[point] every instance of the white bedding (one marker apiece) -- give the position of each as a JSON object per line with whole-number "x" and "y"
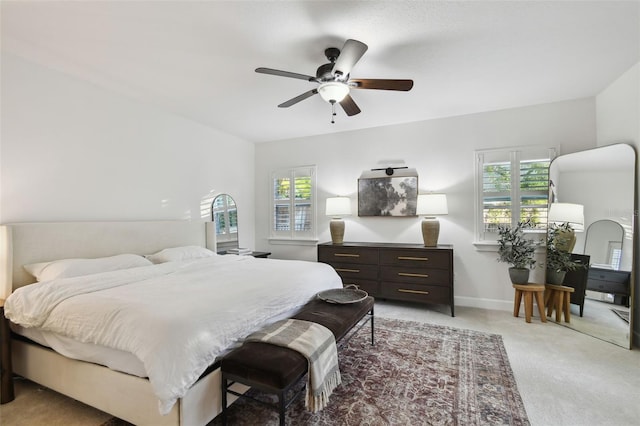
{"x": 176, "y": 317}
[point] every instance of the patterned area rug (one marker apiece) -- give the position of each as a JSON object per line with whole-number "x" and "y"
{"x": 624, "y": 315}
{"x": 416, "y": 374}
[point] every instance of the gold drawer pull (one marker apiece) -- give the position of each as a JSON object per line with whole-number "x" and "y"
{"x": 407, "y": 274}
{"x": 347, "y": 270}
{"x": 412, "y": 258}
{"x": 402, "y": 290}
{"x": 346, "y": 255}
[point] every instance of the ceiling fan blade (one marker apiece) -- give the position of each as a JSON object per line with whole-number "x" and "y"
{"x": 349, "y": 56}
{"x": 349, "y": 106}
{"x": 285, "y": 74}
{"x": 381, "y": 84}
{"x": 298, "y": 98}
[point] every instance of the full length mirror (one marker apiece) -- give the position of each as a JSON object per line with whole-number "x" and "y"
{"x": 602, "y": 180}
{"x": 225, "y": 216}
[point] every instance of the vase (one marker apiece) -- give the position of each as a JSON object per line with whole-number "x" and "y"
{"x": 519, "y": 275}
{"x": 555, "y": 277}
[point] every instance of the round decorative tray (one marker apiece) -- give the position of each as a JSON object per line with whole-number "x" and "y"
{"x": 343, "y": 295}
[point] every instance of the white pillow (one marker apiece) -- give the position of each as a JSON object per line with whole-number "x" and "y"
{"x": 67, "y": 268}
{"x": 180, "y": 253}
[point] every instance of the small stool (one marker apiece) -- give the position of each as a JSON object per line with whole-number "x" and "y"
{"x": 558, "y": 297}
{"x": 529, "y": 290}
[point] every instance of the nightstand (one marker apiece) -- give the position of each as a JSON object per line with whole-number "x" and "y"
{"x": 6, "y": 372}
{"x": 262, "y": 254}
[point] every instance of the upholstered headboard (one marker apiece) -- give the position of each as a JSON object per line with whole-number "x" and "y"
{"x": 24, "y": 243}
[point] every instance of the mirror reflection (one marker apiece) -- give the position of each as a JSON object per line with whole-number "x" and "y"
{"x": 604, "y": 244}
{"x": 603, "y": 181}
{"x": 225, "y": 216}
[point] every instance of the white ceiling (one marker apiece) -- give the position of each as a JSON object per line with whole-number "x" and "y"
{"x": 197, "y": 59}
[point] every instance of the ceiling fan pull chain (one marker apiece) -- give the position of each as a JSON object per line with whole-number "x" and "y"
{"x": 333, "y": 111}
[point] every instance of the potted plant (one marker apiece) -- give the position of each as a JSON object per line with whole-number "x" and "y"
{"x": 558, "y": 258}
{"x": 517, "y": 250}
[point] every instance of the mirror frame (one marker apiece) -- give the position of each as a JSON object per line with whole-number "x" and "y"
{"x": 626, "y": 214}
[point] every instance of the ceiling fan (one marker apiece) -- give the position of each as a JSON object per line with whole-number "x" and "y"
{"x": 334, "y": 79}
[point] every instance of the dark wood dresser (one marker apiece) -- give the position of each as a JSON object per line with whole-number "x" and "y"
{"x": 612, "y": 282}
{"x": 394, "y": 271}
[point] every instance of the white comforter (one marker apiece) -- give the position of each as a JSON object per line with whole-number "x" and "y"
{"x": 175, "y": 317}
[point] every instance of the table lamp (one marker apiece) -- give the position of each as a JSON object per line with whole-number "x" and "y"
{"x": 573, "y": 214}
{"x": 430, "y": 205}
{"x": 337, "y": 207}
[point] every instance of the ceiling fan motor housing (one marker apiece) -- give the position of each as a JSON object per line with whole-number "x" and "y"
{"x": 324, "y": 72}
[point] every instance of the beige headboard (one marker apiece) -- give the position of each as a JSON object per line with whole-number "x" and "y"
{"x": 24, "y": 243}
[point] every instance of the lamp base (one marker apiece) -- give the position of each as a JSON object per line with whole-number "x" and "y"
{"x": 566, "y": 240}
{"x": 336, "y": 227}
{"x": 430, "y": 231}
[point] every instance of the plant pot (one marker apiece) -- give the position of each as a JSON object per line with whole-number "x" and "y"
{"x": 519, "y": 275}
{"x": 555, "y": 277}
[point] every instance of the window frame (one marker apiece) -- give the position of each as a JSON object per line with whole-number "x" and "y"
{"x": 516, "y": 155}
{"x": 293, "y": 235}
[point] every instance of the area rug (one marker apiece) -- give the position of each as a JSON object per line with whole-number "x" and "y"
{"x": 416, "y": 374}
{"x": 624, "y": 315}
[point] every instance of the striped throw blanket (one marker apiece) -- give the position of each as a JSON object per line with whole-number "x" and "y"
{"x": 318, "y": 345}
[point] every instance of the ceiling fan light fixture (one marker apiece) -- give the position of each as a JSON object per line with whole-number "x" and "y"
{"x": 333, "y": 91}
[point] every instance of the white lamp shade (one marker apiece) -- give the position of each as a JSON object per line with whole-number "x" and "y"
{"x": 432, "y": 204}
{"x": 338, "y": 206}
{"x": 333, "y": 91}
{"x": 573, "y": 214}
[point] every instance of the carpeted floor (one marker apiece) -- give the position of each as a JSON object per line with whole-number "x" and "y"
{"x": 416, "y": 374}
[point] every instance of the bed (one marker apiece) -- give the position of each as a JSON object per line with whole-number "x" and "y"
{"x": 125, "y": 394}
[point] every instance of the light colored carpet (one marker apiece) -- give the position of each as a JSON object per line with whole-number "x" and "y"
{"x": 564, "y": 377}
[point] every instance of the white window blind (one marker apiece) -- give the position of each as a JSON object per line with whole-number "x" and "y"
{"x": 512, "y": 185}
{"x": 293, "y": 205}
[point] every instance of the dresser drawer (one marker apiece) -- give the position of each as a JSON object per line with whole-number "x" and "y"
{"x": 609, "y": 281}
{"x": 416, "y": 258}
{"x": 416, "y": 275}
{"x": 361, "y": 255}
{"x": 609, "y": 287}
{"x": 356, "y": 270}
{"x": 416, "y": 293}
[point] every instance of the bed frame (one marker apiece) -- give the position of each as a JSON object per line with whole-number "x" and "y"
{"x": 125, "y": 396}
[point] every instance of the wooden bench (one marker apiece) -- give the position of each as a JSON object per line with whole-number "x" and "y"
{"x": 527, "y": 291}
{"x": 558, "y": 298}
{"x": 275, "y": 369}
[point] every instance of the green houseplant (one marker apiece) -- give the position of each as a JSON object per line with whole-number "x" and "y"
{"x": 558, "y": 258}
{"x": 517, "y": 250}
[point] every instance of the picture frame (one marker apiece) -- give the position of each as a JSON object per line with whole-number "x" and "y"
{"x": 395, "y": 196}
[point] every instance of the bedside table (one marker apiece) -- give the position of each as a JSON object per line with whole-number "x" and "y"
{"x": 6, "y": 372}
{"x": 262, "y": 254}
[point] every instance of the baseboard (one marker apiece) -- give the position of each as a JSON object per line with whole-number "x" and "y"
{"x": 492, "y": 304}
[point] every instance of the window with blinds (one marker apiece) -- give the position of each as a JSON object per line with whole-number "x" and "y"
{"x": 512, "y": 186}
{"x": 293, "y": 203}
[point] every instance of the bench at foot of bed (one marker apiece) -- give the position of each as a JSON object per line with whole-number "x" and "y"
{"x": 276, "y": 369}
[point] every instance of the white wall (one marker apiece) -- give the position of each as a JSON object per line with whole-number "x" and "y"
{"x": 618, "y": 120}
{"x": 73, "y": 151}
{"x": 442, "y": 151}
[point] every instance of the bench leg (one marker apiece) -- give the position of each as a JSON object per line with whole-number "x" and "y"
{"x": 224, "y": 400}
{"x": 540, "y": 304}
{"x": 528, "y": 305}
{"x": 282, "y": 407}
{"x": 516, "y": 303}
{"x": 372, "y": 334}
{"x": 566, "y": 306}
